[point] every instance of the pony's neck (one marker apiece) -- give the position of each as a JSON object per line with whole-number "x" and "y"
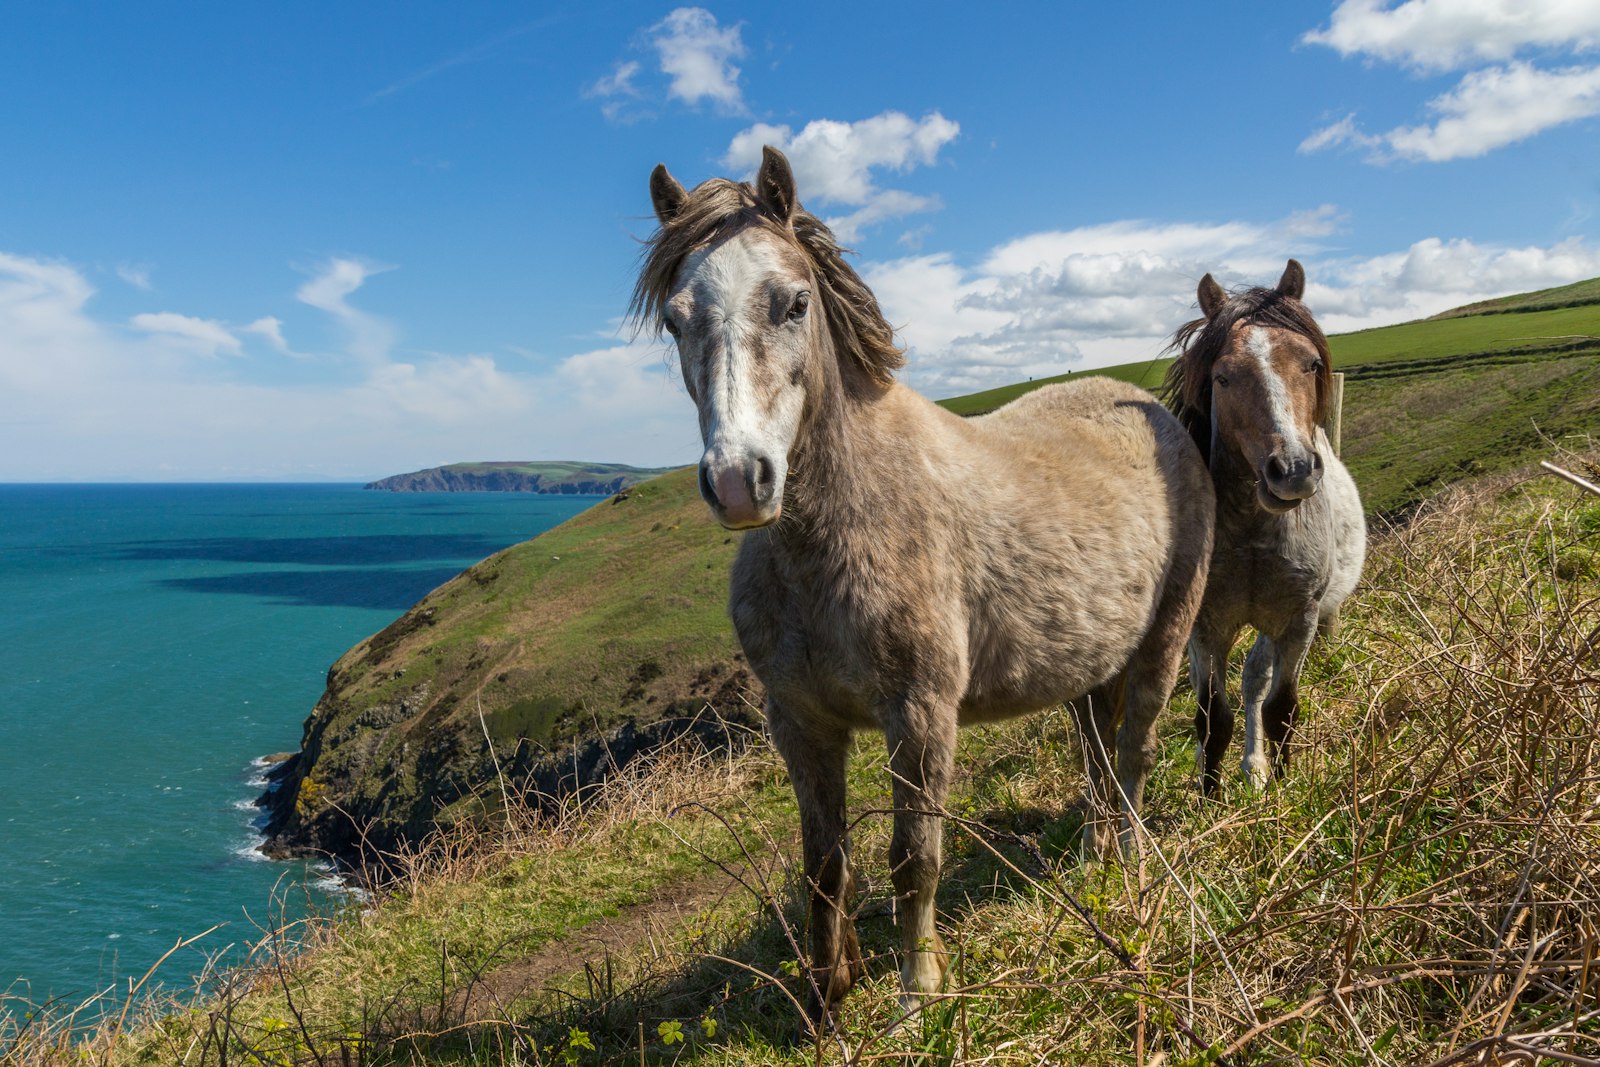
{"x": 1232, "y": 476}
{"x": 829, "y": 479}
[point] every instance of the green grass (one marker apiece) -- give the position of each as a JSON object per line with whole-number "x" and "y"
{"x": 1408, "y": 436}
{"x": 1477, "y": 335}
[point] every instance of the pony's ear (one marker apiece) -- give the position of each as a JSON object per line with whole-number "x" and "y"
{"x": 1211, "y": 296}
{"x": 775, "y": 185}
{"x": 1293, "y": 282}
{"x": 666, "y": 194}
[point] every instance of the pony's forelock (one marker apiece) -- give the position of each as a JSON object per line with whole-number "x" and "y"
{"x": 718, "y": 208}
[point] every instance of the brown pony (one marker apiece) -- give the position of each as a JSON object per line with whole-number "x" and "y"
{"x": 1252, "y": 384}
{"x": 908, "y": 570}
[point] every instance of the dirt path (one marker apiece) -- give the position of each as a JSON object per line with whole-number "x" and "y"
{"x": 636, "y": 927}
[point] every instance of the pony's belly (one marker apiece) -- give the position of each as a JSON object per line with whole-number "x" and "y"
{"x": 1013, "y": 674}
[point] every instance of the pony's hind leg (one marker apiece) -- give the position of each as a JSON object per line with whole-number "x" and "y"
{"x": 815, "y": 756}
{"x": 1258, "y": 677}
{"x": 1146, "y": 686}
{"x": 922, "y": 745}
{"x": 1213, "y": 716}
{"x": 1095, "y": 714}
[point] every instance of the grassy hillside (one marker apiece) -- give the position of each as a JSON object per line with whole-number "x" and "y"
{"x": 1587, "y": 292}
{"x": 1419, "y": 889}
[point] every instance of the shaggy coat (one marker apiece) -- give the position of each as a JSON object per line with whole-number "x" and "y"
{"x": 1252, "y": 384}
{"x": 908, "y": 570}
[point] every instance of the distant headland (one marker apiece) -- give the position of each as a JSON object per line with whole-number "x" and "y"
{"x": 550, "y": 476}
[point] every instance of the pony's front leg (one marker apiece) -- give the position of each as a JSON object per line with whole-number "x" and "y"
{"x": 1258, "y": 677}
{"x": 815, "y": 755}
{"x": 922, "y": 742}
{"x": 1282, "y": 705}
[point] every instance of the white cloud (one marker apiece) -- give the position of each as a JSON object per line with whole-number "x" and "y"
{"x": 616, "y": 89}
{"x": 370, "y": 337}
{"x": 271, "y": 328}
{"x": 834, "y": 162}
{"x": 205, "y": 337}
{"x": 1345, "y": 131}
{"x": 1499, "y": 106}
{"x": 697, "y": 55}
{"x": 1491, "y": 106}
{"x": 1449, "y": 34}
{"x": 1488, "y": 109}
{"x": 135, "y": 274}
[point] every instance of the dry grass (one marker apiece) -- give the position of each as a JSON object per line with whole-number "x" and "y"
{"x": 1423, "y": 888}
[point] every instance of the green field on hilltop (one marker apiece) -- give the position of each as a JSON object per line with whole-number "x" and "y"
{"x": 1585, "y": 292}
{"x": 1523, "y": 334}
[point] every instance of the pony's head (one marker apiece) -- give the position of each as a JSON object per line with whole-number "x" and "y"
{"x": 758, "y": 299}
{"x": 1252, "y": 378}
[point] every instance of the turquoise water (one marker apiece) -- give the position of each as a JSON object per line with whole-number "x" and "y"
{"x": 155, "y": 641}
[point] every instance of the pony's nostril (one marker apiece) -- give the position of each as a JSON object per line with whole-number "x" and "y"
{"x": 764, "y": 473}
{"x": 1316, "y": 461}
{"x": 1277, "y": 470}
{"x": 706, "y": 491}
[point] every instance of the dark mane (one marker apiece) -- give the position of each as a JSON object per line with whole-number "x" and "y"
{"x": 1187, "y": 388}
{"x": 719, "y": 207}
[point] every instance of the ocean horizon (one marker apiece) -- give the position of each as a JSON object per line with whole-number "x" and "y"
{"x": 160, "y": 641}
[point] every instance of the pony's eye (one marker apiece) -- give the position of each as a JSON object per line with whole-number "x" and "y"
{"x": 670, "y": 326}
{"x": 1314, "y": 367}
{"x": 797, "y": 310}
{"x": 1220, "y": 379}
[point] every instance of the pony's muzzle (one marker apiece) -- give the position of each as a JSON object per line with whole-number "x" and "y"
{"x": 1287, "y": 479}
{"x": 743, "y": 491}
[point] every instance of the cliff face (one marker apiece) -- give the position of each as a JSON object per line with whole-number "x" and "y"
{"x": 595, "y": 640}
{"x": 589, "y": 479}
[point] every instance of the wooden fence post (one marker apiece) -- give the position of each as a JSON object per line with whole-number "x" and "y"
{"x": 1334, "y": 426}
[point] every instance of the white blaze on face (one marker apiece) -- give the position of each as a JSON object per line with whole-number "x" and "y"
{"x": 1258, "y": 342}
{"x": 740, "y": 364}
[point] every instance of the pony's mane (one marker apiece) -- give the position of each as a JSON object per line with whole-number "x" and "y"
{"x": 1187, "y": 388}
{"x": 718, "y": 207}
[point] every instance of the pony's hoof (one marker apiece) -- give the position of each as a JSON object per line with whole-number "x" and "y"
{"x": 1258, "y": 774}
{"x": 821, "y": 1021}
{"x": 1097, "y": 843}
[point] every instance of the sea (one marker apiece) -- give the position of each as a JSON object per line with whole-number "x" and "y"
{"x": 157, "y": 643}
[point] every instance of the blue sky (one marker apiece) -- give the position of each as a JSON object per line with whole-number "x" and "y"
{"x": 313, "y": 241}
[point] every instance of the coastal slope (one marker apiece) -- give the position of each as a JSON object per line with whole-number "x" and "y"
{"x": 536, "y": 667}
